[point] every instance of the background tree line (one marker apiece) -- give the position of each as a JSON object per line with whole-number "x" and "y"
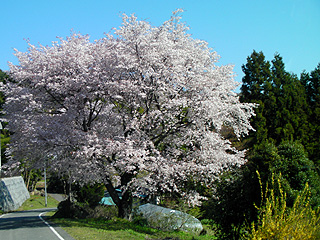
{"x": 285, "y": 143}
{"x": 288, "y": 105}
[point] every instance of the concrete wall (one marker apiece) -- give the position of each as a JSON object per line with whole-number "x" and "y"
{"x": 13, "y": 193}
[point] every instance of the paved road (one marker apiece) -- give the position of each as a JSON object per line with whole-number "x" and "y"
{"x": 29, "y": 225}
{"x": 58, "y": 197}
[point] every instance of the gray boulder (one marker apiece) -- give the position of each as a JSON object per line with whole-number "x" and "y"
{"x": 169, "y": 219}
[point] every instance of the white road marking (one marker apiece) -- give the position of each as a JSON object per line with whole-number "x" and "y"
{"x": 51, "y": 228}
{"x": 4, "y": 215}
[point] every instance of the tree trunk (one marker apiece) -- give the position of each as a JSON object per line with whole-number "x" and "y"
{"x": 124, "y": 203}
{"x": 28, "y": 181}
{"x": 125, "y": 209}
{"x": 70, "y": 190}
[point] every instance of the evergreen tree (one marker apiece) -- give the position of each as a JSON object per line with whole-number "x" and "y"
{"x": 255, "y": 82}
{"x": 286, "y": 140}
{"x": 283, "y": 110}
{"x": 287, "y": 115}
{"x": 311, "y": 82}
{"x": 257, "y": 73}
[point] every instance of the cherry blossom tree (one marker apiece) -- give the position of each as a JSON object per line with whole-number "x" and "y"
{"x": 141, "y": 109}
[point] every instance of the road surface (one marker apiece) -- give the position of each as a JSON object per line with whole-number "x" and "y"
{"x": 29, "y": 225}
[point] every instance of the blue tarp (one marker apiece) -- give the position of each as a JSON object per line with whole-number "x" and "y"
{"x": 107, "y": 200}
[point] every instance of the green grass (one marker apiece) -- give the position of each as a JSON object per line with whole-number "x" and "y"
{"x": 118, "y": 229}
{"x": 37, "y": 202}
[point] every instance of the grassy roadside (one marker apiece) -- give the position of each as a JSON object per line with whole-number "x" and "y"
{"x": 119, "y": 229}
{"x": 37, "y": 202}
{"x": 101, "y": 229}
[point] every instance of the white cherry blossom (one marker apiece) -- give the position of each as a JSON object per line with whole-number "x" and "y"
{"x": 142, "y": 108}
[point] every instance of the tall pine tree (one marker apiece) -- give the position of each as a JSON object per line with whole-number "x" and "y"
{"x": 287, "y": 119}
{"x": 311, "y": 82}
{"x": 255, "y": 82}
{"x": 283, "y": 110}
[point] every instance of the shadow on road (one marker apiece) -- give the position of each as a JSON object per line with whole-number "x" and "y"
{"x": 23, "y": 219}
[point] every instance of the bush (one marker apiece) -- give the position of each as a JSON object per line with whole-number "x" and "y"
{"x": 78, "y": 210}
{"x": 90, "y": 194}
{"x": 57, "y": 184}
{"x": 140, "y": 220}
{"x": 277, "y": 221}
{"x": 233, "y": 201}
{"x": 67, "y": 209}
{"x": 297, "y": 170}
{"x": 291, "y": 160}
{"x": 106, "y": 212}
{"x": 237, "y": 191}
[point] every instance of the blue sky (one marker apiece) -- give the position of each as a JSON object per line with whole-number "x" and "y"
{"x": 233, "y": 28}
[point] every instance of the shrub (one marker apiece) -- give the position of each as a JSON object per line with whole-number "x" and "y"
{"x": 106, "y": 212}
{"x": 295, "y": 166}
{"x": 237, "y": 191}
{"x": 233, "y": 201}
{"x": 90, "y": 194}
{"x": 57, "y": 184}
{"x": 277, "y": 221}
{"x": 67, "y": 209}
{"x": 291, "y": 160}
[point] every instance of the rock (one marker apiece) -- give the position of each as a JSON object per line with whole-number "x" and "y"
{"x": 169, "y": 219}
